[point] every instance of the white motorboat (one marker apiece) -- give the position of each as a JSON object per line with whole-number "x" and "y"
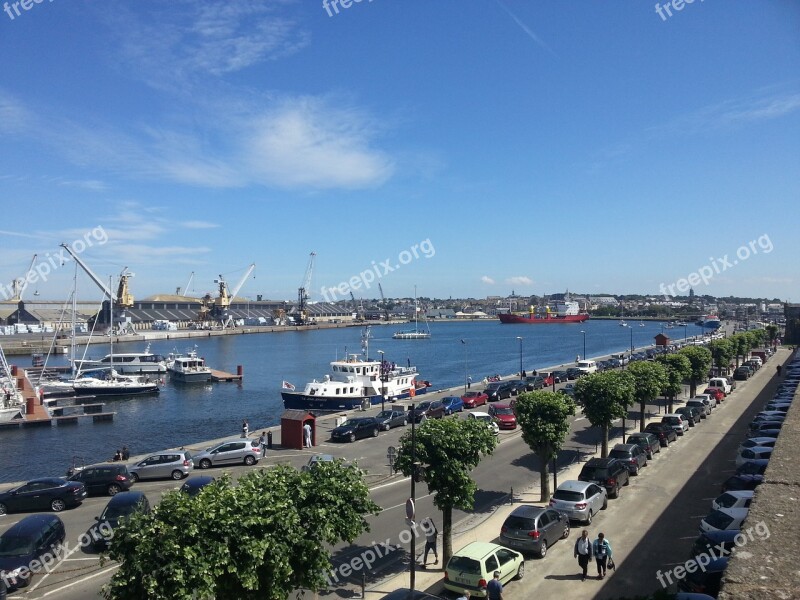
{"x": 189, "y": 368}
{"x": 127, "y": 363}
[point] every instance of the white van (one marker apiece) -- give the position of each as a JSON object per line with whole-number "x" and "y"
{"x": 720, "y": 383}
{"x": 587, "y": 366}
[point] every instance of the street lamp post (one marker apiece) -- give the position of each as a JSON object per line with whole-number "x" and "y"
{"x": 466, "y": 376}
{"x": 584, "y": 344}
{"x": 520, "y": 356}
{"x": 413, "y": 561}
{"x": 684, "y": 332}
{"x": 631, "y": 341}
{"x": 383, "y": 380}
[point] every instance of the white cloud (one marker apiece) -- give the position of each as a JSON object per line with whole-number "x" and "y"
{"x": 519, "y": 280}
{"x": 198, "y": 225}
{"x": 487, "y": 279}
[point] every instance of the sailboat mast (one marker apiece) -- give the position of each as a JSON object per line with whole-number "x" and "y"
{"x": 74, "y": 308}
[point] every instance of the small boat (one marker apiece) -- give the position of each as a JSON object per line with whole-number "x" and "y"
{"x": 111, "y": 383}
{"x": 130, "y": 362}
{"x": 622, "y": 323}
{"x": 188, "y": 368}
{"x": 641, "y": 324}
{"x": 416, "y": 334}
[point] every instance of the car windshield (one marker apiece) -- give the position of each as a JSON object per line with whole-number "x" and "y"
{"x": 726, "y": 500}
{"x": 671, "y": 420}
{"x": 15, "y": 546}
{"x": 115, "y": 513}
{"x": 568, "y": 496}
{"x": 385, "y": 414}
{"x": 464, "y": 564}
{"x": 504, "y": 411}
{"x": 517, "y": 522}
{"x": 485, "y": 418}
{"x": 595, "y": 472}
{"x": 719, "y": 520}
{"x": 423, "y": 406}
{"x": 349, "y": 423}
{"x": 619, "y": 454}
{"x": 751, "y": 468}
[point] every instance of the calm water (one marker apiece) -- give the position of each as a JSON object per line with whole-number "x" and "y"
{"x": 191, "y": 414}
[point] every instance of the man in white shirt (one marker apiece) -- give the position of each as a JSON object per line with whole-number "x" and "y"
{"x": 583, "y": 552}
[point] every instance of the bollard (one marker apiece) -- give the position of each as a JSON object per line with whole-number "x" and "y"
{"x": 269, "y": 440}
{"x": 363, "y": 584}
{"x": 239, "y": 370}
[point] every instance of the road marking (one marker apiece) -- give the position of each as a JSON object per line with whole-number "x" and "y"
{"x": 378, "y": 487}
{"x": 698, "y": 516}
{"x": 97, "y": 558}
{"x": 403, "y": 504}
{"x": 82, "y": 580}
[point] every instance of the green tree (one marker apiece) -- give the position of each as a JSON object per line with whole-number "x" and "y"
{"x": 605, "y": 397}
{"x": 261, "y": 539}
{"x": 772, "y": 333}
{"x": 447, "y": 451}
{"x": 722, "y": 352}
{"x": 743, "y": 345}
{"x": 700, "y": 361}
{"x": 649, "y": 380}
{"x": 679, "y": 369}
{"x": 544, "y": 418}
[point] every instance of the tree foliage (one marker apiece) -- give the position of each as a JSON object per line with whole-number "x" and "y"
{"x": 447, "y": 450}
{"x": 649, "y": 379}
{"x": 544, "y": 418}
{"x": 722, "y": 352}
{"x": 605, "y": 397}
{"x": 678, "y": 369}
{"x": 261, "y": 539}
{"x": 700, "y": 362}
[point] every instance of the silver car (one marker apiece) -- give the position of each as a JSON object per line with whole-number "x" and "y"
{"x": 172, "y": 463}
{"x": 232, "y": 452}
{"x": 580, "y": 500}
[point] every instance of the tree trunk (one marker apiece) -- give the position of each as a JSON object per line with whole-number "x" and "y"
{"x": 604, "y": 446}
{"x": 447, "y": 535}
{"x": 692, "y": 388}
{"x": 671, "y": 400}
{"x": 641, "y": 416}
{"x": 544, "y": 475}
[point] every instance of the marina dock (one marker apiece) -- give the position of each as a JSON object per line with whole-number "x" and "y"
{"x": 217, "y": 376}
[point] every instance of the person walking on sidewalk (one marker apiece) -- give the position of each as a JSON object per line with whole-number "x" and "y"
{"x": 245, "y": 428}
{"x": 494, "y": 589}
{"x": 602, "y": 552}
{"x": 431, "y": 533}
{"x": 583, "y": 552}
{"x": 307, "y": 435}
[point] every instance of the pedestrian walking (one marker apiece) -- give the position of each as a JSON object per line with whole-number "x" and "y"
{"x": 583, "y": 552}
{"x": 245, "y": 428}
{"x": 494, "y": 589}
{"x": 469, "y": 382}
{"x": 263, "y": 441}
{"x": 307, "y": 435}
{"x": 602, "y": 553}
{"x": 431, "y": 534}
{"x": 126, "y": 454}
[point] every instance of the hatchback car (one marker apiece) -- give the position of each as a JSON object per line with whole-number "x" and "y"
{"x": 486, "y": 418}
{"x": 472, "y": 567}
{"x": 452, "y": 404}
{"x": 580, "y": 500}
{"x": 692, "y": 415}
{"x": 504, "y": 416}
{"x": 743, "y": 481}
{"x": 392, "y": 418}
{"x": 535, "y": 382}
{"x": 705, "y": 581}
{"x": 121, "y": 506}
{"x": 110, "y": 479}
{"x": 497, "y": 390}
{"x": 664, "y": 433}
{"x": 742, "y": 374}
{"x": 701, "y": 407}
{"x": 232, "y": 452}
{"x": 753, "y": 453}
{"x": 724, "y": 518}
{"x": 648, "y": 442}
{"x": 42, "y": 494}
{"x": 677, "y": 421}
{"x": 176, "y": 464}
{"x": 608, "y": 472}
{"x": 765, "y": 428}
{"x": 474, "y": 399}
{"x": 766, "y": 442}
{"x": 631, "y": 455}
{"x": 717, "y": 541}
{"x": 36, "y": 538}
{"x": 193, "y": 485}
{"x": 733, "y": 499}
{"x": 356, "y": 429}
{"x": 534, "y": 529}
{"x": 430, "y": 409}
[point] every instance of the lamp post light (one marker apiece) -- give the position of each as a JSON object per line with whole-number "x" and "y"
{"x": 383, "y": 380}
{"x": 520, "y": 356}
{"x": 584, "y": 344}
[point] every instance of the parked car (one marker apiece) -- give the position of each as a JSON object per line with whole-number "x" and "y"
{"x": 392, "y": 418}
{"x": 580, "y": 500}
{"x": 767, "y": 442}
{"x": 715, "y": 393}
{"x": 741, "y": 374}
{"x": 691, "y": 413}
{"x": 121, "y": 506}
{"x": 176, "y": 464}
{"x": 574, "y": 373}
{"x": 429, "y": 409}
{"x": 452, "y": 404}
{"x": 472, "y": 567}
{"x": 753, "y": 453}
{"x": 677, "y": 421}
{"x": 486, "y": 418}
{"x": 356, "y": 429}
{"x": 232, "y": 452}
{"x": 665, "y": 433}
{"x": 765, "y": 428}
{"x": 533, "y": 529}
{"x": 48, "y": 493}
{"x": 720, "y": 383}
{"x": 631, "y": 455}
{"x": 193, "y": 485}
{"x": 742, "y": 482}
{"x": 473, "y": 399}
{"x": 504, "y": 416}
{"x": 608, "y": 472}
{"x": 756, "y": 466}
{"x": 718, "y": 541}
{"x": 587, "y": 367}
{"x": 725, "y": 518}
{"x": 497, "y": 390}
{"x": 535, "y": 382}
{"x": 707, "y": 399}
{"x": 516, "y": 387}
{"x": 109, "y": 478}
{"x": 701, "y": 407}
{"x": 30, "y": 540}
{"x": 707, "y": 580}
{"x": 648, "y": 442}
{"x": 733, "y": 499}
{"x": 560, "y": 375}
{"x": 568, "y": 390}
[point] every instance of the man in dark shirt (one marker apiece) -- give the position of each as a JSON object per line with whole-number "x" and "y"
{"x": 494, "y": 589}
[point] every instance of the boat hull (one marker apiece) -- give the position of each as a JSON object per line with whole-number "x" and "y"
{"x": 536, "y": 320}
{"x": 109, "y": 391}
{"x": 196, "y": 377}
{"x": 299, "y": 400}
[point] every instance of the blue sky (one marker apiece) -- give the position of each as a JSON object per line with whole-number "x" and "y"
{"x": 529, "y": 146}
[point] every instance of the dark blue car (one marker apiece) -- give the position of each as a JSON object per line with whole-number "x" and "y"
{"x": 452, "y": 404}
{"x": 35, "y": 539}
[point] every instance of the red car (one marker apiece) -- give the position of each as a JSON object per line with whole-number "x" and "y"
{"x": 473, "y": 399}
{"x": 504, "y": 415}
{"x": 715, "y": 393}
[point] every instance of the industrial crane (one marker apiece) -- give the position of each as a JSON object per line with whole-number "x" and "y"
{"x": 302, "y": 293}
{"x": 123, "y": 299}
{"x": 186, "y": 290}
{"x": 223, "y": 302}
{"x": 358, "y": 310}
{"x": 385, "y": 305}
{"x": 18, "y": 285}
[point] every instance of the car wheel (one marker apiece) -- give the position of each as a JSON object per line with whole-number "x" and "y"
{"x": 249, "y": 460}
{"x": 615, "y": 494}
{"x": 605, "y": 503}
{"x": 386, "y": 427}
{"x": 57, "y": 504}
{"x": 134, "y": 477}
{"x": 628, "y": 481}
{"x": 205, "y": 464}
{"x": 375, "y": 432}
{"x": 113, "y": 489}
{"x": 543, "y": 549}
{"x": 24, "y": 582}
{"x": 461, "y": 409}
{"x": 565, "y": 535}
{"x": 352, "y": 437}
{"x": 177, "y": 475}
{"x": 3, "y": 509}
{"x": 521, "y": 570}
{"x": 589, "y": 517}
{"x": 405, "y": 422}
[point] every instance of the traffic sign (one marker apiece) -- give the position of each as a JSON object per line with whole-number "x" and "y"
{"x": 411, "y": 511}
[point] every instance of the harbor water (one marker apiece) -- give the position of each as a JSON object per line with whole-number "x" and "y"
{"x": 190, "y": 414}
